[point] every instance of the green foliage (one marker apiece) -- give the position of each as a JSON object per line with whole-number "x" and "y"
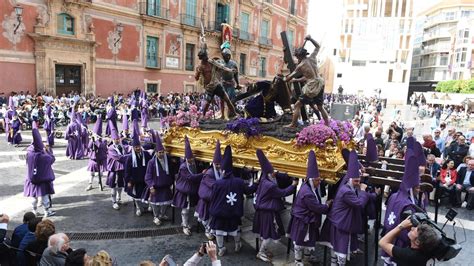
{"x": 456, "y": 86}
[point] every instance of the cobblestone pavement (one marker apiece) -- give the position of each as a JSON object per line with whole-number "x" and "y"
{"x": 85, "y": 214}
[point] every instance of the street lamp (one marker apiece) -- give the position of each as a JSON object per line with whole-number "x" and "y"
{"x": 18, "y": 12}
{"x": 119, "y": 30}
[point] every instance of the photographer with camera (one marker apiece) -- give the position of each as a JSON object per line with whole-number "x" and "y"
{"x": 423, "y": 240}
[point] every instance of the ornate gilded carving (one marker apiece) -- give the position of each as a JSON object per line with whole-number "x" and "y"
{"x": 284, "y": 155}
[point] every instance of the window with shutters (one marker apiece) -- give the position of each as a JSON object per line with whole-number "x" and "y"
{"x": 154, "y": 8}
{"x": 242, "y": 63}
{"x": 190, "y": 57}
{"x": 190, "y": 16}
{"x": 152, "y": 52}
{"x": 222, "y": 14}
{"x": 244, "y": 26}
{"x": 65, "y": 24}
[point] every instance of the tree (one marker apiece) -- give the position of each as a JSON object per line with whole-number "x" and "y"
{"x": 456, "y": 86}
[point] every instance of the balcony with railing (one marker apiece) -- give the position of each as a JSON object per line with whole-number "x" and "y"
{"x": 265, "y": 41}
{"x": 150, "y": 10}
{"x": 154, "y": 64}
{"x": 190, "y": 20}
{"x": 246, "y": 36}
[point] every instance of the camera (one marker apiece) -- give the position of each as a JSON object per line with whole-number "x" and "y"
{"x": 447, "y": 247}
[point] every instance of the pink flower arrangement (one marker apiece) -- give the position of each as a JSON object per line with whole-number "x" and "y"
{"x": 343, "y": 129}
{"x": 182, "y": 118}
{"x": 316, "y": 134}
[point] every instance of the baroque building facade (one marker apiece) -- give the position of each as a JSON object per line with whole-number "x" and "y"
{"x": 105, "y": 46}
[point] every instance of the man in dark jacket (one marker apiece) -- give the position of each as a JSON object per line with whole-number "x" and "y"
{"x": 458, "y": 150}
{"x": 465, "y": 183}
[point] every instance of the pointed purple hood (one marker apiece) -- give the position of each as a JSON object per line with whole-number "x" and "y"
{"x": 217, "y": 159}
{"x": 111, "y": 101}
{"x": 113, "y": 131}
{"x": 353, "y": 168}
{"x": 136, "y": 128}
{"x": 265, "y": 164}
{"x": 34, "y": 125}
{"x": 345, "y": 155}
{"x": 411, "y": 176}
{"x": 372, "y": 154}
{"x": 144, "y": 113}
{"x": 125, "y": 126}
{"x": 98, "y": 126}
{"x": 79, "y": 119}
{"x": 188, "y": 153}
{"x": 420, "y": 155}
{"x": 158, "y": 143}
{"x": 48, "y": 111}
{"x": 227, "y": 160}
{"x": 135, "y": 138}
{"x": 312, "y": 170}
{"x": 73, "y": 115}
{"x": 37, "y": 140}
{"x": 411, "y": 143}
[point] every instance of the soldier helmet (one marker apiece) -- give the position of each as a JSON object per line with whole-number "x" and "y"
{"x": 226, "y": 51}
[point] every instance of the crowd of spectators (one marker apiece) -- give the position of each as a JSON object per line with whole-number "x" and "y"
{"x": 36, "y": 242}
{"x": 449, "y": 151}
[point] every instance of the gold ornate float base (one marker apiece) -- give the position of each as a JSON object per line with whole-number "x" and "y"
{"x": 285, "y": 156}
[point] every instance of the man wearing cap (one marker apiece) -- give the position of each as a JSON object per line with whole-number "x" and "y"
{"x": 313, "y": 90}
{"x": 159, "y": 179}
{"x": 97, "y": 154}
{"x": 210, "y": 77}
{"x": 74, "y": 149}
{"x": 40, "y": 175}
{"x": 268, "y": 203}
{"x": 110, "y": 116}
{"x": 115, "y": 166}
{"x": 345, "y": 219}
{"x": 135, "y": 170}
{"x": 187, "y": 186}
{"x": 230, "y": 81}
{"x": 49, "y": 126}
{"x": 307, "y": 212}
{"x": 401, "y": 201}
{"x": 205, "y": 189}
{"x": 226, "y": 208}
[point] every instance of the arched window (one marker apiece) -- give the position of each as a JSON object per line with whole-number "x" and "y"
{"x": 65, "y": 24}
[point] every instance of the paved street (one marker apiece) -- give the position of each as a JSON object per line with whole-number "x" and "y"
{"x": 92, "y": 223}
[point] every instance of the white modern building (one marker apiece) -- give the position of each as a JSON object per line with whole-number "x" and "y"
{"x": 373, "y": 50}
{"x": 443, "y": 44}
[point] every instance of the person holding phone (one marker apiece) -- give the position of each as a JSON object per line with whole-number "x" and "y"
{"x": 208, "y": 248}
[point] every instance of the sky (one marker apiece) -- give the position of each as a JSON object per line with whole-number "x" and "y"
{"x": 324, "y": 17}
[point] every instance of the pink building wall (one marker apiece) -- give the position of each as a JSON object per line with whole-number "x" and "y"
{"x": 17, "y": 77}
{"x": 124, "y": 81}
